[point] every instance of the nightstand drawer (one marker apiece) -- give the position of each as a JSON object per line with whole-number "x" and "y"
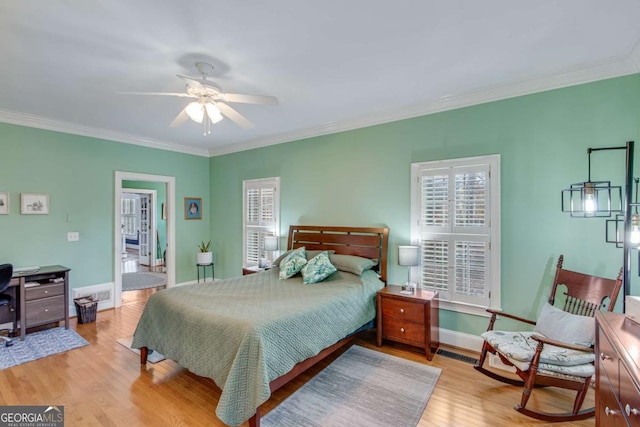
{"x": 403, "y": 331}
{"x": 409, "y": 311}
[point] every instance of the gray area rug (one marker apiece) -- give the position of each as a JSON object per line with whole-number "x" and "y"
{"x": 142, "y": 280}
{"x": 38, "y": 345}
{"x": 362, "y": 387}
{"x": 152, "y": 357}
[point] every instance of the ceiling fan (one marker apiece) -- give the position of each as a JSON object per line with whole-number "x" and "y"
{"x": 210, "y": 102}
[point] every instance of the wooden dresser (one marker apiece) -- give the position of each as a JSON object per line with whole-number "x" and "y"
{"x": 408, "y": 318}
{"x": 617, "y": 370}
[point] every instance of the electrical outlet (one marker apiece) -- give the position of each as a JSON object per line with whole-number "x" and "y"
{"x": 73, "y": 236}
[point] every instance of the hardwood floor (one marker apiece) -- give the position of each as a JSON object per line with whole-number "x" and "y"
{"x": 102, "y": 384}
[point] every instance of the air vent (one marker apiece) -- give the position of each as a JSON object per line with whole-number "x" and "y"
{"x": 103, "y": 293}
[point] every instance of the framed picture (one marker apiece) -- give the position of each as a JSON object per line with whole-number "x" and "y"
{"x": 192, "y": 208}
{"x": 34, "y": 204}
{"x": 4, "y": 203}
{"x": 164, "y": 214}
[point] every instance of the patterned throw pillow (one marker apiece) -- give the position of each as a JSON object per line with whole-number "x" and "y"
{"x": 293, "y": 263}
{"x": 317, "y": 269}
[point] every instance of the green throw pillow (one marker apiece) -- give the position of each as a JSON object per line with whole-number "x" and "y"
{"x": 317, "y": 269}
{"x": 293, "y": 263}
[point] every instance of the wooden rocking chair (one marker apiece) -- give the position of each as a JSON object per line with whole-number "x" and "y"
{"x": 559, "y": 352}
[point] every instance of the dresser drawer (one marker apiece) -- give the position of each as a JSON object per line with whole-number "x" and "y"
{"x": 45, "y": 310}
{"x": 607, "y": 357}
{"x": 409, "y": 311}
{"x": 403, "y": 331}
{"x": 629, "y": 397}
{"x": 609, "y": 412}
{"x": 44, "y": 291}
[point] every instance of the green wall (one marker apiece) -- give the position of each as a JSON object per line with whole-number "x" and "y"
{"x": 78, "y": 173}
{"x": 362, "y": 178}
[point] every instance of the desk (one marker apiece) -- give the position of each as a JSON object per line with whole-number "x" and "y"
{"x": 45, "y": 303}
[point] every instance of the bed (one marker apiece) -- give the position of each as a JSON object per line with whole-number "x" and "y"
{"x": 253, "y": 334}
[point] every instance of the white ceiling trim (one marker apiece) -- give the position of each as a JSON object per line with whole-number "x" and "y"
{"x": 614, "y": 67}
{"x": 29, "y": 120}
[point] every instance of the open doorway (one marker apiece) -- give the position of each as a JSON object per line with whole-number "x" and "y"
{"x": 147, "y": 223}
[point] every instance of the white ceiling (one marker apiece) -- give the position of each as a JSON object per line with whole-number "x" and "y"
{"x": 334, "y": 65}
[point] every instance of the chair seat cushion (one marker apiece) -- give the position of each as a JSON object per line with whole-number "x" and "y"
{"x": 520, "y": 347}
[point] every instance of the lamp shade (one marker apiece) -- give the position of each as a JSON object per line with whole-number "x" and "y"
{"x": 408, "y": 255}
{"x": 270, "y": 243}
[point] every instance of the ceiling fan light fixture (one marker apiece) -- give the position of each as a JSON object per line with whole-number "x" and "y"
{"x": 213, "y": 112}
{"x": 195, "y": 111}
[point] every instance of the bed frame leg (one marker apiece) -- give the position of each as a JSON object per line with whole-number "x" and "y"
{"x": 144, "y": 352}
{"x": 254, "y": 421}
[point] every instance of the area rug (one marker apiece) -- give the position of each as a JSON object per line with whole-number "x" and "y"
{"x": 152, "y": 357}
{"x": 38, "y": 345}
{"x": 142, "y": 280}
{"x": 362, "y": 387}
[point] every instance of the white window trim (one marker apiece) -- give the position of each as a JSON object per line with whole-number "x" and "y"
{"x": 495, "y": 279}
{"x": 259, "y": 183}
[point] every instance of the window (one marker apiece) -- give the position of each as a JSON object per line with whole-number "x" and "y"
{"x": 455, "y": 207}
{"x": 129, "y": 216}
{"x": 261, "y": 213}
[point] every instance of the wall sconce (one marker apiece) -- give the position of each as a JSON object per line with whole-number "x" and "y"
{"x": 593, "y": 199}
{"x": 409, "y": 256}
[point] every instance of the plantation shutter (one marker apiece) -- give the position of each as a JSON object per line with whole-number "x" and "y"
{"x": 261, "y": 207}
{"x": 454, "y": 228}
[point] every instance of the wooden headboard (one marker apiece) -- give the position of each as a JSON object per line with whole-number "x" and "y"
{"x": 367, "y": 242}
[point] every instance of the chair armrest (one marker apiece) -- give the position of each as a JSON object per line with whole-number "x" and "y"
{"x": 510, "y": 316}
{"x": 569, "y": 346}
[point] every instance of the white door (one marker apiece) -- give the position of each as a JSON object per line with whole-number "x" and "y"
{"x": 145, "y": 229}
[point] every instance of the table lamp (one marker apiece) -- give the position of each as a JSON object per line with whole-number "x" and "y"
{"x": 409, "y": 256}
{"x": 270, "y": 245}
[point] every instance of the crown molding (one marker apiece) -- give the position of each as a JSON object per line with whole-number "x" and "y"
{"x": 29, "y": 120}
{"x": 610, "y": 68}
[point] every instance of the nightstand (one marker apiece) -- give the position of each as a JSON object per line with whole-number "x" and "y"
{"x": 251, "y": 270}
{"x": 408, "y": 318}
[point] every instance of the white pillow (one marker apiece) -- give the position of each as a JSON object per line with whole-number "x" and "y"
{"x": 566, "y": 327}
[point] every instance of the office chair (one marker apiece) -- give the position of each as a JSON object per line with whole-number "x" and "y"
{"x": 6, "y": 271}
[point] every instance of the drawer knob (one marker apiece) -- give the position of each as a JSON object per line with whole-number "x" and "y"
{"x": 46, "y": 292}
{"x": 604, "y": 357}
{"x": 46, "y": 309}
{"x": 609, "y": 411}
{"x": 629, "y": 410}
{"x": 402, "y": 310}
{"x": 402, "y": 330}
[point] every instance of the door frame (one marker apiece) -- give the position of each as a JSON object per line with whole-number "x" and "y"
{"x": 170, "y": 183}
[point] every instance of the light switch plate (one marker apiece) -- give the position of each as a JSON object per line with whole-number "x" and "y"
{"x": 73, "y": 236}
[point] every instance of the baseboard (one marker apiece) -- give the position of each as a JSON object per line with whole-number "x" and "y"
{"x": 460, "y": 340}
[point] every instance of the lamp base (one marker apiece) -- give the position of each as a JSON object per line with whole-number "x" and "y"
{"x": 409, "y": 287}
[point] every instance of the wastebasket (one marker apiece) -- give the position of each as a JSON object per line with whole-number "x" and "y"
{"x": 86, "y": 309}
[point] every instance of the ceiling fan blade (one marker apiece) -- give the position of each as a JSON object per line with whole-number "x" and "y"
{"x": 251, "y": 99}
{"x": 234, "y": 116}
{"x": 184, "y": 95}
{"x": 194, "y": 83}
{"x": 180, "y": 118}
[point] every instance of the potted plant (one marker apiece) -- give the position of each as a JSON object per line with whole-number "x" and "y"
{"x": 205, "y": 256}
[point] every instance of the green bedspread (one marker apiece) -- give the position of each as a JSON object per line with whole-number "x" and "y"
{"x": 245, "y": 332}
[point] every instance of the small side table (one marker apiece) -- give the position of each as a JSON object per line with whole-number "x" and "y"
{"x": 251, "y": 270}
{"x": 409, "y": 318}
{"x": 204, "y": 271}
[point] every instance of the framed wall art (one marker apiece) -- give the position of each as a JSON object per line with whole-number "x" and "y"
{"x": 34, "y": 204}
{"x": 4, "y": 204}
{"x": 192, "y": 208}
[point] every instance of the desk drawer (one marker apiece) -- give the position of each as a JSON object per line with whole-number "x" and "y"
{"x": 411, "y": 312}
{"x": 44, "y": 291}
{"x": 45, "y": 310}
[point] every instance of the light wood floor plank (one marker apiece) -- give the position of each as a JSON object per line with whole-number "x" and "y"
{"x": 102, "y": 384}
